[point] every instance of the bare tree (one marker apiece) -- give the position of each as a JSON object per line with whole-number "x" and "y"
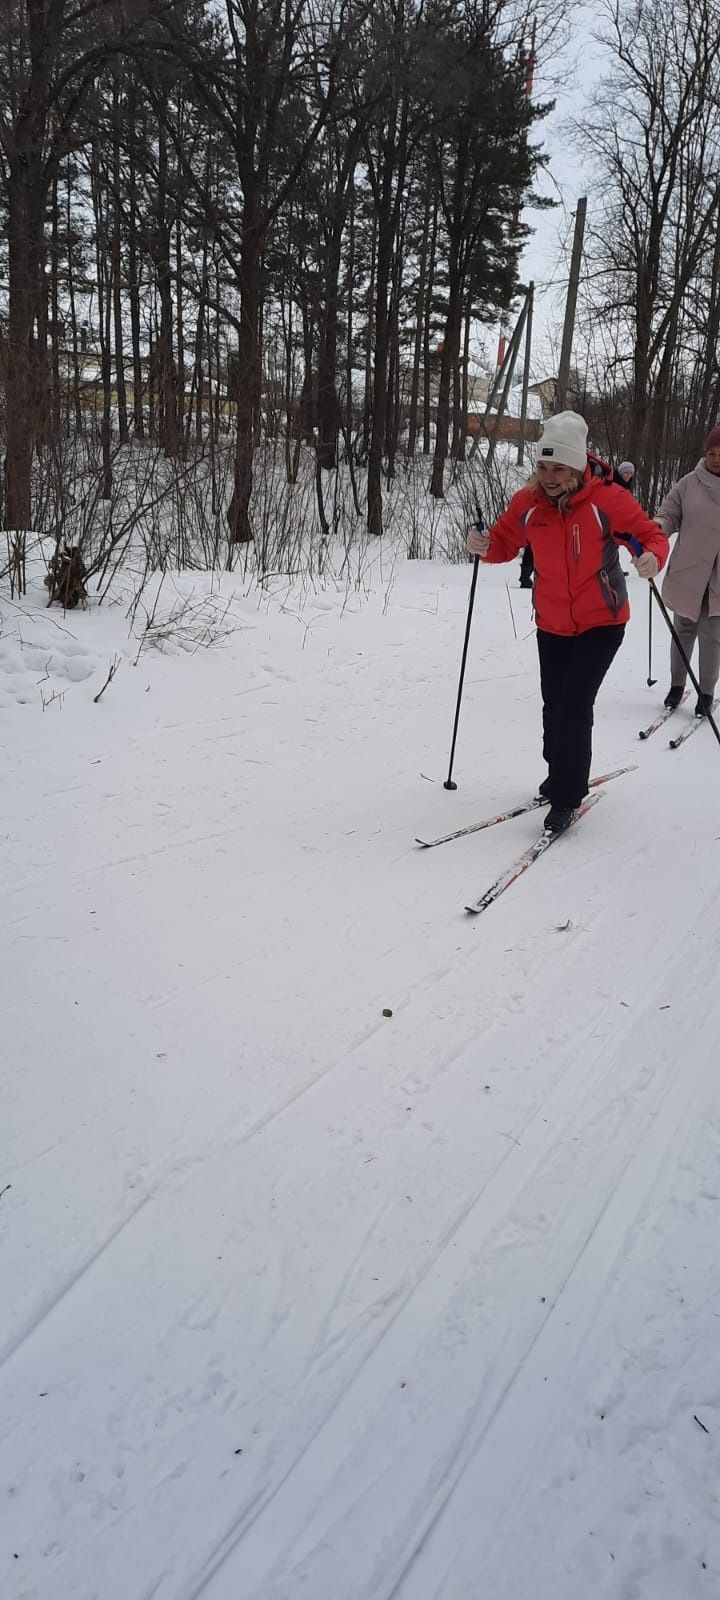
{"x": 51, "y": 52}
{"x": 261, "y": 84}
{"x": 651, "y": 304}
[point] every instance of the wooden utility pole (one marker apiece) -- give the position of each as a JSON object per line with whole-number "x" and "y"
{"x": 503, "y": 379}
{"x": 512, "y": 358}
{"x": 570, "y": 306}
{"x": 526, "y": 373}
{"x": 501, "y": 373}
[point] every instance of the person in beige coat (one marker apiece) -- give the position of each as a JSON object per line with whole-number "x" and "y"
{"x": 692, "y": 583}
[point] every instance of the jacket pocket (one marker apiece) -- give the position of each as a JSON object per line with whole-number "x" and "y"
{"x": 612, "y": 598}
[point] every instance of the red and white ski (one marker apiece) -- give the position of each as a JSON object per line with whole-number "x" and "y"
{"x": 529, "y": 856}
{"x": 691, "y": 728}
{"x": 515, "y": 811}
{"x": 664, "y": 717}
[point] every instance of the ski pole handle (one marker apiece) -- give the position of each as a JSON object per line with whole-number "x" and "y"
{"x": 633, "y": 543}
{"x": 479, "y": 527}
{"x": 639, "y": 554}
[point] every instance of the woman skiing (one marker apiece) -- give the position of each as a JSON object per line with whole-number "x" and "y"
{"x": 573, "y": 513}
{"x": 692, "y": 584}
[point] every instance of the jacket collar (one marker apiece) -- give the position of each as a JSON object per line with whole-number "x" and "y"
{"x": 708, "y": 480}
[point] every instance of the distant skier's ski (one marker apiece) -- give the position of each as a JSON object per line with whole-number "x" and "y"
{"x": 691, "y": 728}
{"x": 668, "y": 712}
{"x": 515, "y": 811}
{"x": 526, "y": 860}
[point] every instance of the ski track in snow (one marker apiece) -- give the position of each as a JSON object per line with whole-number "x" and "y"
{"x": 315, "y": 1303}
{"x": 46, "y": 1310}
{"x": 581, "y": 1284}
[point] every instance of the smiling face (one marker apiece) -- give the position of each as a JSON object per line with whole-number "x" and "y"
{"x": 555, "y": 479}
{"x": 712, "y": 460}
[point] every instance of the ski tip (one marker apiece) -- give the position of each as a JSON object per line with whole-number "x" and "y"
{"x": 423, "y": 843}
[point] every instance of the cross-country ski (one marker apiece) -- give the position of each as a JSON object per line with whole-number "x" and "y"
{"x": 528, "y": 859}
{"x": 663, "y": 717}
{"x": 689, "y": 729}
{"x": 536, "y": 804}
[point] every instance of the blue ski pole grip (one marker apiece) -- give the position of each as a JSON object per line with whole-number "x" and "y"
{"x": 634, "y": 544}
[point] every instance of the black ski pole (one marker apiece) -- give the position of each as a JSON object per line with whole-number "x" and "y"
{"x": 637, "y": 550}
{"x": 688, "y": 667}
{"x": 650, "y": 679}
{"x": 448, "y": 784}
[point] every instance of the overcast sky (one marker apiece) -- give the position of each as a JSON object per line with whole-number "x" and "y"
{"x": 546, "y": 258}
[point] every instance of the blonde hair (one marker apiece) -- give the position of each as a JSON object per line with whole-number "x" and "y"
{"x": 562, "y": 500}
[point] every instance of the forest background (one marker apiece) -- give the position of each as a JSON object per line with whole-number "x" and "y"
{"x": 254, "y": 257}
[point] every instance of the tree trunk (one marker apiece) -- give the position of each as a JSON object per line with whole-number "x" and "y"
{"x": 328, "y": 409}
{"x": 198, "y": 372}
{"x": 248, "y": 378}
{"x": 134, "y": 296}
{"x": 104, "y": 294}
{"x": 286, "y": 312}
{"x": 123, "y": 430}
{"x": 55, "y": 406}
{"x": 179, "y": 314}
{"x": 418, "y": 344}
{"x": 462, "y": 386}
{"x": 349, "y": 316}
{"x": 369, "y": 334}
{"x": 166, "y": 361}
{"x": 712, "y": 336}
{"x": 377, "y": 437}
{"x": 393, "y": 418}
{"x": 388, "y": 199}
{"x": 394, "y": 415}
{"x": 76, "y": 394}
{"x": 26, "y": 194}
{"x": 449, "y": 363}
{"x": 212, "y": 429}
{"x": 214, "y": 344}
{"x": 349, "y": 313}
{"x": 152, "y": 388}
{"x": 427, "y": 336}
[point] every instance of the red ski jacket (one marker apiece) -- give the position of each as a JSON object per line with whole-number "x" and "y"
{"x": 579, "y": 582}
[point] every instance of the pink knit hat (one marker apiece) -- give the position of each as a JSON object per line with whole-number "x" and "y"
{"x": 713, "y": 439}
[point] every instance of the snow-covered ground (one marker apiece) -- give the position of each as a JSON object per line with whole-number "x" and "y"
{"x": 299, "y": 1299}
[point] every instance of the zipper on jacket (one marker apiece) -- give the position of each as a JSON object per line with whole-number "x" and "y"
{"x": 567, "y": 569}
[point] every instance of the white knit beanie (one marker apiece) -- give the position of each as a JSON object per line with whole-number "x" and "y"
{"x": 564, "y": 440}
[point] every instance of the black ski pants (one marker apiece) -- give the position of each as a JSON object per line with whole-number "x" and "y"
{"x": 571, "y": 672}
